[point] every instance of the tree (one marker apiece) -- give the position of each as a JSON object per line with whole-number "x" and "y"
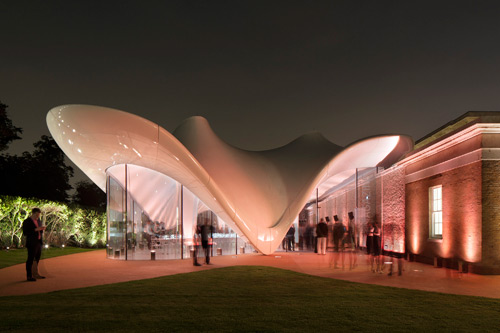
{"x": 12, "y": 171}
{"x": 42, "y": 174}
{"x": 8, "y": 132}
{"x": 48, "y": 171}
{"x": 89, "y": 194}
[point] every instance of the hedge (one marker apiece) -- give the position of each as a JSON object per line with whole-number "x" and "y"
{"x": 66, "y": 224}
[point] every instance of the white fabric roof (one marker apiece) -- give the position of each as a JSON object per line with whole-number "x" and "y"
{"x": 258, "y": 194}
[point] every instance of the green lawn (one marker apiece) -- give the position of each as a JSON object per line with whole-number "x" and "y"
{"x": 246, "y": 298}
{"x": 18, "y": 256}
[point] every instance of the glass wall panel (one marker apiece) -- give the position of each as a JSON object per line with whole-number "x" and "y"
{"x": 155, "y": 226}
{"x": 224, "y": 238}
{"x": 193, "y": 216}
{"x": 152, "y": 216}
{"x": 355, "y": 202}
{"x": 243, "y": 246}
{"x": 116, "y": 219}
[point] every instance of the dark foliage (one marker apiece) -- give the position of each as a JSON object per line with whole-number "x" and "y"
{"x": 8, "y": 132}
{"x": 89, "y": 194}
{"x": 42, "y": 174}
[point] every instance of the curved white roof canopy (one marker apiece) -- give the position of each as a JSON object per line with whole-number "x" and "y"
{"x": 258, "y": 194}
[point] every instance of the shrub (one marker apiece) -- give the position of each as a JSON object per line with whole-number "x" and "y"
{"x": 66, "y": 224}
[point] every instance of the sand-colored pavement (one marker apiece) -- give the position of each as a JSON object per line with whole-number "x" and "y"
{"x": 92, "y": 268}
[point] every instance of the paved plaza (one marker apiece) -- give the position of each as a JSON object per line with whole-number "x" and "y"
{"x": 92, "y": 268}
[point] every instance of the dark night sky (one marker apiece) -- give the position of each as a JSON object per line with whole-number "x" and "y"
{"x": 262, "y": 72}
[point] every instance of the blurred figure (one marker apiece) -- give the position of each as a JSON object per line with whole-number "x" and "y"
{"x": 196, "y": 244}
{"x": 147, "y": 231}
{"x": 338, "y": 233}
{"x": 369, "y": 238}
{"x": 321, "y": 234}
{"x": 290, "y": 239}
{"x": 309, "y": 237}
{"x": 350, "y": 241}
{"x": 206, "y": 239}
{"x": 375, "y": 249}
{"x": 399, "y": 260}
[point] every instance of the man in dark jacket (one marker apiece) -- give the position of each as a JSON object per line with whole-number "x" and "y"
{"x": 322, "y": 234}
{"x": 33, "y": 230}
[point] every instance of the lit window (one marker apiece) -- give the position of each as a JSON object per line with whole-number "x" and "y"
{"x": 436, "y": 211}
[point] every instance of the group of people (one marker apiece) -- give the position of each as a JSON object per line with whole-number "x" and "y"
{"x": 373, "y": 247}
{"x": 343, "y": 238}
{"x": 346, "y": 242}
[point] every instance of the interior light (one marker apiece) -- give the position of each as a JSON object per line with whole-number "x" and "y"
{"x": 136, "y": 152}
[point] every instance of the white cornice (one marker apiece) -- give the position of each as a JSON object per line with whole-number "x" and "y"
{"x": 464, "y": 135}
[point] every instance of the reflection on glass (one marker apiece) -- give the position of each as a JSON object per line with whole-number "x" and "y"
{"x": 162, "y": 218}
{"x": 116, "y": 220}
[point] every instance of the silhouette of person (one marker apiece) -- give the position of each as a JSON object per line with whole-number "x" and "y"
{"x": 322, "y": 234}
{"x": 33, "y": 230}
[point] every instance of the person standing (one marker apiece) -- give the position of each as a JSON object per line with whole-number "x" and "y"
{"x": 33, "y": 230}
{"x": 350, "y": 240}
{"x": 338, "y": 233}
{"x": 376, "y": 249}
{"x": 322, "y": 234}
{"x": 206, "y": 239}
{"x": 196, "y": 238}
{"x": 369, "y": 238}
{"x": 290, "y": 239}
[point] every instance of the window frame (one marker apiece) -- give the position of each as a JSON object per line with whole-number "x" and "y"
{"x": 435, "y": 212}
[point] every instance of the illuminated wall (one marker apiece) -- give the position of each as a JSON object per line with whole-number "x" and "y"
{"x": 380, "y": 198}
{"x": 391, "y": 189}
{"x": 462, "y": 223}
{"x": 491, "y": 214}
{"x": 455, "y": 164}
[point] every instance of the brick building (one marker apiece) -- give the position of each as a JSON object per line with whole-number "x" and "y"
{"x": 440, "y": 204}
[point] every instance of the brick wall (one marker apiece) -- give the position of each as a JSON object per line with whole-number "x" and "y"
{"x": 462, "y": 215}
{"x": 491, "y": 214}
{"x": 392, "y": 186}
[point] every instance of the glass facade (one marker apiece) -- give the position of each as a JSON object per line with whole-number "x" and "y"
{"x": 153, "y": 217}
{"x": 370, "y": 195}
